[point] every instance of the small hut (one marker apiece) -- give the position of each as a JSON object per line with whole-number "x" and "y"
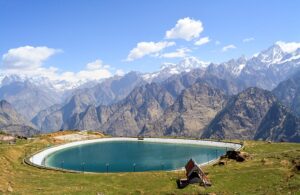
{"x": 194, "y": 174}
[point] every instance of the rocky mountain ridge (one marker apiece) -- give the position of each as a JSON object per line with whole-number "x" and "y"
{"x": 254, "y": 114}
{"x": 14, "y": 123}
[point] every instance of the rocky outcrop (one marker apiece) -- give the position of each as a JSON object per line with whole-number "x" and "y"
{"x": 66, "y": 117}
{"x": 143, "y": 105}
{"x": 254, "y": 114}
{"x": 176, "y": 83}
{"x": 89, "y": 119}
{"x": 288, "y": 92}
{"x": 242, "y": 115}
{"x": 39, "y": 119}
{"x": 279, "y": 124}
{"x": 190, "y": 113}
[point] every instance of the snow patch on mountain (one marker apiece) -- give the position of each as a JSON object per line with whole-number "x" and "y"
{"x": 238, "y": 69}
{"x": 272, "y": 55}
{"x": 40, "y": 81}
{"x": 289, "y": 47}
{"x": 279, "y": 53}
{"x": 168, "y": 69}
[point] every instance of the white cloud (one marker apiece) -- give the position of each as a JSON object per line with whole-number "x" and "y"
{"x": 28, "y": 61}
{"x": 120, "y": 72}
{"x": 228, "y": 47}
{"x": 55, "y": 74}
{"x": 97, "y": 64}
{"x": 202, "y": 41}
{"x": 146, "y": 48}
{"x": 83, "y": 75}
{"x": 93, "y": 75}
{"x": 246, "y": 40}
{"x": 95, "y": 70}
{"x": 288, "y": 46}
{"x": 186, "y": 29}
{"x": 179, "y": 53}
{"x": 26, "y": 57}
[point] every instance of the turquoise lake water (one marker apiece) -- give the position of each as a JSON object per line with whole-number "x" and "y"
{"x": 128, "y": 156}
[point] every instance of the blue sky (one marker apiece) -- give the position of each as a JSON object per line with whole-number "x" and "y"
{"x": 83, "y": 31}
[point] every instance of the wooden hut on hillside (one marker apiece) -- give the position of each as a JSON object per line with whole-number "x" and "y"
{"x": 194, "y": 174}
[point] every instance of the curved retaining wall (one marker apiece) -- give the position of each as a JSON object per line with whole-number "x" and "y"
{"x": 38, "y": 158}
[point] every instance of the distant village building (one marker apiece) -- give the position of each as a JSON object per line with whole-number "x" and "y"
{"x": 8, "y": 139}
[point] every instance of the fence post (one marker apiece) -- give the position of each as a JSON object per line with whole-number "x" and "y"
{"x": 82, "y": 166}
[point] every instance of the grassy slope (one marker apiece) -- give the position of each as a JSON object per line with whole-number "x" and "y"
{"x": 267, "y": 172}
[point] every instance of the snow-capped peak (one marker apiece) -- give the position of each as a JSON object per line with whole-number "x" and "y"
{"x": 38, "y": 81}
{"x": 272, "y": 55}
{"x": 234, "y": 66}
{"x": 166, "y": 65}
{"x": 186, "y": 65}
{"x": 45, "y": 82}
{"x": 288, "y": 47}
{"x": 192, "y": 62}
{"x": 280, "y": 53}
{"x": 168, "y": 69}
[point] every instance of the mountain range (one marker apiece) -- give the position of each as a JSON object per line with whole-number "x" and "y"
{"x": 256, "y": 98}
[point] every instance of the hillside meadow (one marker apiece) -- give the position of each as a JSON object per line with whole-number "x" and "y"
{"x": 270, "y": 169}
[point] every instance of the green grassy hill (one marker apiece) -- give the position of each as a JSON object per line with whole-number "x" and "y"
{"x": 269, "y": 170}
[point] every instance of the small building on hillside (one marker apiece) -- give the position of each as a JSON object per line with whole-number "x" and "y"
{"x": 194, "y": 174}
